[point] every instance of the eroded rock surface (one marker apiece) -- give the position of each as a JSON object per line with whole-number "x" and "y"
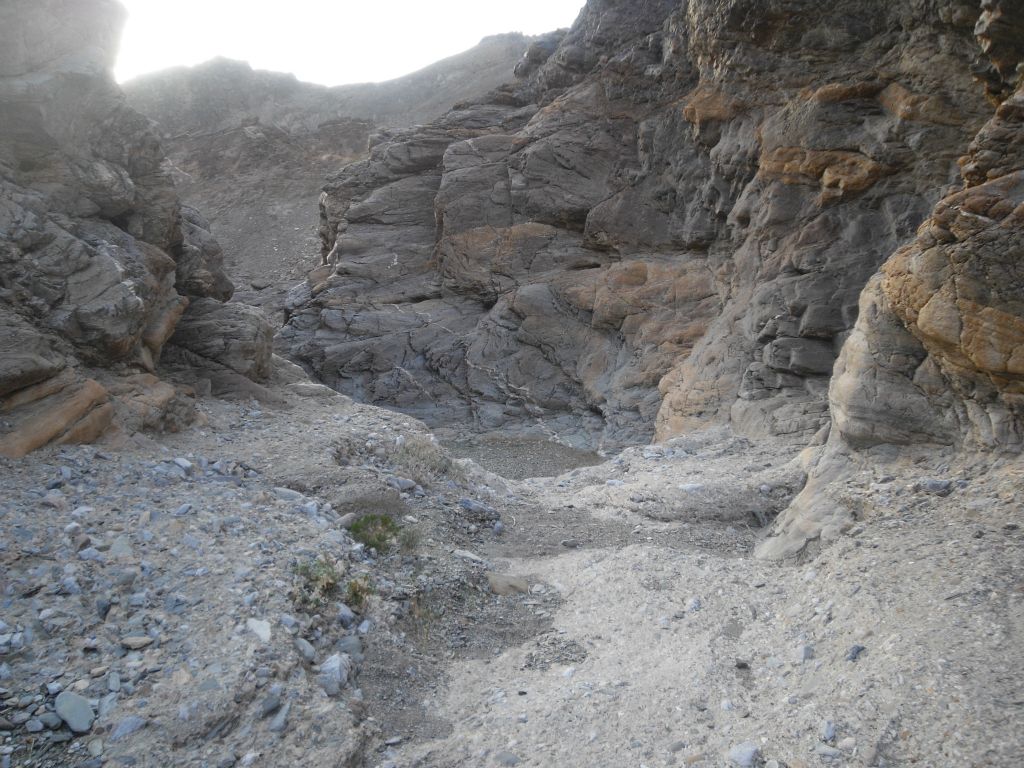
{"x": 98, "y": 260}
{"x": 937, "y": 354}
{"x": 666, "y": 223}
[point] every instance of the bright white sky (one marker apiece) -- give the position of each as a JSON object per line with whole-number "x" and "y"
{"x": 324, "y": 41}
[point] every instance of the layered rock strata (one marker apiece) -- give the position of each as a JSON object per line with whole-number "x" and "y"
{"x": 667, "y": 221}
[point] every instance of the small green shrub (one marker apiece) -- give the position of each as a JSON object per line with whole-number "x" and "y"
{"x": 357, "y": 593}
{"x": 409, "y": 540}
{"x": 318, "y": 580}
{"x": 375, "y": 531}
{"x": 425, "y": 461}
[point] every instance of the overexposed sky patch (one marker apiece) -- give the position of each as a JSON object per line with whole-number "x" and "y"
{"x": 324, "y": 41}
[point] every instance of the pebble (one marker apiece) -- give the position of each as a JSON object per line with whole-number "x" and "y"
{"x": 271, "y": 703}
{"x": 75, "y": 710}
{"x": 746, "y": 755}
{"x": 346, "y": 617}
{"x": 804, "y": 653}
{"x": 936, "y": 486}
{"x": 280, "y": 722}
{"x": 260, "y": 628}
{"x": 127, "y": 727}
{"x": 506, "y": 758}
{"x": 305, "y": 649}
{"x": 136, "y": 642}
{"x": 334, "y": 673}
{"x": 570, "y": 543}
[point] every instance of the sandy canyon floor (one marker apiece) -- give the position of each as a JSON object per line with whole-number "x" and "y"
{"x": 163, "y": 595}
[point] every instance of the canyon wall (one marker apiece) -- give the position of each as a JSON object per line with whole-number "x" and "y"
{"x": 666, "y": 222}
{"x": 937, "y": 353}
{"x": 98, "y": 259}
{"x": 253, "y": 149}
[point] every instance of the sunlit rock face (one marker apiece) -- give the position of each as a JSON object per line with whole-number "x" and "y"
{"x": 666, "y": 222}
{"x": 97, "y": 259}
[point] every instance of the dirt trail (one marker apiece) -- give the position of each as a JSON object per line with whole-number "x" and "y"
{"x": 668, "y": 645}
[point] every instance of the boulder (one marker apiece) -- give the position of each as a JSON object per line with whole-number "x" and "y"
{"x": 235, "y": 337}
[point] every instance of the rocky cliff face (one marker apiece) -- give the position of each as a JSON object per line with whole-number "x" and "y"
{"x": 666, "y": 222}
{"x": 949, "y": 303}
{"x": 98, "y": 259}
{"x": 937, "y": 354}
{"x": 253, "y": 149}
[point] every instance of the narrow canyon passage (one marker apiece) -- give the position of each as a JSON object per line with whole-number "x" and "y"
{"x": 643, "y": 393}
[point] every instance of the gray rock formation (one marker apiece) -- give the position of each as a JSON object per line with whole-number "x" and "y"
{"x": 97, "y": 259}
{"x": 667, "y": 223}
{"x": 235, "y": 336}
{"x": 252, "y": 149}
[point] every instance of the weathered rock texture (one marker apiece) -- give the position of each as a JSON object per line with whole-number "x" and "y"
{"x": 253, "y": 149}
{"x": 666, "y": 223}
{"x": 97, "y": 259}
{"x": 937, "y": 354}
